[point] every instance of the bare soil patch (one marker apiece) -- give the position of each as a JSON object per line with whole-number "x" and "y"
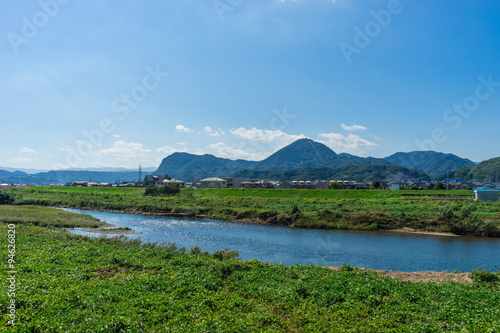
{"x": 429, "y": 276}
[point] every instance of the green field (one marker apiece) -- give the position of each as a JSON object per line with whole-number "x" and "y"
{"x": 70, "y": 283}
{"x": 440, "y": 211}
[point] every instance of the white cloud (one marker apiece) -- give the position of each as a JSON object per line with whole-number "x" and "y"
{"x": 28, "y": 151}
{"x": 211, "y": 132}
{"x": 353, "y": 127}
{"x": 169, "y": 150}
{"x": 351, "y": 143}
{"x": 275, "y": 137}
{"x": 115, "y": 135}
{"x": 180, "y": 128}
{"x": 223, "y": 150}
{"x": 20, "y": 160}
{"x": 123, "y": 150}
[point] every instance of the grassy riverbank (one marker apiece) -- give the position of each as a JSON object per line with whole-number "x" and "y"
{"x": 436, "y": 211}
{"x": 70, "y": 283}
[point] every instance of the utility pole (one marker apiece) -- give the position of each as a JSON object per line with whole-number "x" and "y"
{"x": 140, "y": 173}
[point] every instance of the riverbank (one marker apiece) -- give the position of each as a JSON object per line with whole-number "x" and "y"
{"x": 82, "y": 284}
{"x": 429, "y": 276}
{"x": 322, "y": 209}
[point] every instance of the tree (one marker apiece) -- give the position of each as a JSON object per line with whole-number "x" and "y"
{"x": 167, "y": 177}
{"x": 335, "y": 186}
{"x": 6, "y": 198}
{"x": 376, "y": 184}
{"x": 439, "y": 186}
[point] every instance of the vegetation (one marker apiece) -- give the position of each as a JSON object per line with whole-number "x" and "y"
{"x": 363, "y": 172}
{"x": 6, "y": 198}
{"x": 328, "y": 209}
{"x": 484, "y": 171}
{"x": 430, "y": 162}
{"x": 165, "y": 190}
{"x": 70, "y": 283}
{"x": 45, "y": 217}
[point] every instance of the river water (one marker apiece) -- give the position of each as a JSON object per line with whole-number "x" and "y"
{"x": 290, "y": 246}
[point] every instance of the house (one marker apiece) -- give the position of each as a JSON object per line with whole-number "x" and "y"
{"x": 153, "y": 179}
{"x": 213, "y": 182}
{"x": 174, "y": 182}
{"x": 79, "y": 183}
{"x": 396, "y": 185}
{"x": 93, "y": 184}
{"x": 285, "y": 184}
{"x": 461, "y": 186}
{"x": 191, "y": 185}
{"x": 257, "y": 184}
{"x": 234, "y": 182}
{"x": 321, "y": 185}
{"x": 361, "y": 185}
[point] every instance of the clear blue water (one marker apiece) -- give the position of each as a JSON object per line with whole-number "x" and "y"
{"x": 289, "y": 246}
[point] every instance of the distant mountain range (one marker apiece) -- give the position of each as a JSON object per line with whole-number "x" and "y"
{"x": 304, "y": 153}
{"x": 64, "y": 176}
{"x": 431, "y": 162}
{"x": 299, "y": 157}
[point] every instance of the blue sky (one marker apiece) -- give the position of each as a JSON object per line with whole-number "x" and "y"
{"x": 123, "y": 83}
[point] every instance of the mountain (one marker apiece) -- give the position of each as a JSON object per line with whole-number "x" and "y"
{"x": 430, "y": 162}
{"x": 64, "y": 176}
{"x": 189, "y": 166}
{"x": 484, "y": 171}
{"x": 362, "y": 172}
{"x": 301, "y": 153}
{"x": 309, "y": 153}
{"x": 30, "y": 171}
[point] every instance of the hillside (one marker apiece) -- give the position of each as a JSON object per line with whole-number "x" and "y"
{"x": 362, "y": 172}
{"x": 189, "y": 166}
{"x": 64, "y": 176}
{"x": 309, "y": 153}
{"x": 299, "y": 154}
{"x": 484, "y": 171}
{"x": 430, "y": 162}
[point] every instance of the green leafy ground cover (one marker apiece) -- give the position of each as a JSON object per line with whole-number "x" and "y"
{"x": 330, "y": 209}
{"x": 70, "y": 283}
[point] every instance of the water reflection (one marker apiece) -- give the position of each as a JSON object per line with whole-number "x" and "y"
{"x": 380, "y": 250}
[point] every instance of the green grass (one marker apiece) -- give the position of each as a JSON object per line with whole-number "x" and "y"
{"x": 70, "y": 283}
{"x": 329, "y": 209}
{"x": 46, "y": 217}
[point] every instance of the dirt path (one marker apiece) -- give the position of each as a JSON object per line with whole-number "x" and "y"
{"x": 419, "y": 276}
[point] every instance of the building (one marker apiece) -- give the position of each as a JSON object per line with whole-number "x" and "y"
{"x": 396, "y": 185}
{"x": 174, "y": 182}
{"x": 79, "y": 183}
{"x": 487, "y": 194}
{"x": 213, "y": 182}
{"x": 153, "y": 179}
{"x": 261, "y": 183}
{"x": 234, "y": 182}
{"x": 321, "y": 185}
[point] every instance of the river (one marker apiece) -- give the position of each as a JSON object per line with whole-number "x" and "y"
{"x": 290, "y": 246}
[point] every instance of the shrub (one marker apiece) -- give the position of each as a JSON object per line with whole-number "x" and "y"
{"x": 226, "y": 254}
{"x": 165, "y": 190}
{"x": 479, "y": 275}
{"x": 446, "y": 213}
{"x": 6, "y": 198}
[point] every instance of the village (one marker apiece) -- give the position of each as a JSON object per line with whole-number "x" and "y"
{"x": 399, "y": 182}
